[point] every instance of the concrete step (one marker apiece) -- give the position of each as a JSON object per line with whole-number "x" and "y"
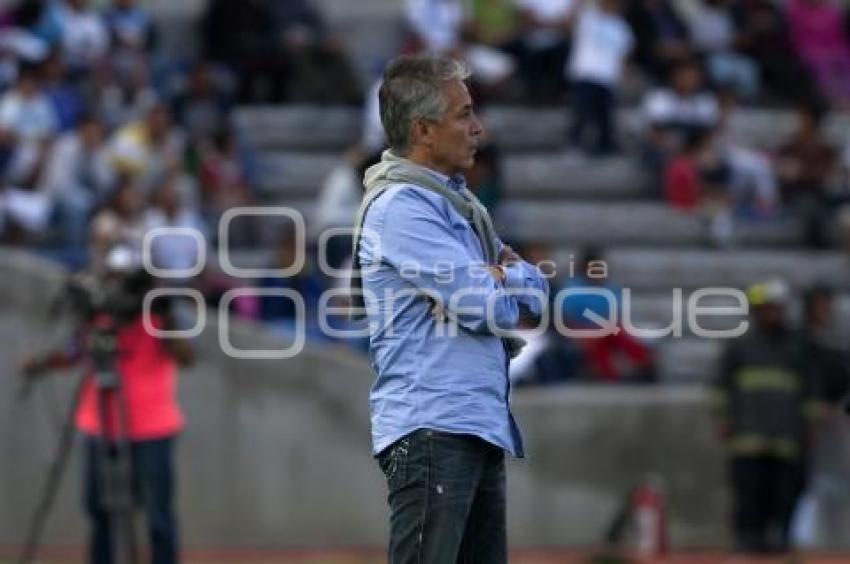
{"x": 628, "y": 223}
{"x": 295, "y": 174}
{"x": 514, "y": 128}
{"x": 647, "y": 268}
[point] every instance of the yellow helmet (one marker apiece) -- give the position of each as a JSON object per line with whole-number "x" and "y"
{"x": 774, "y": 291}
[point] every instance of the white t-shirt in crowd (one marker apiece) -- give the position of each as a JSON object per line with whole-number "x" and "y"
{"x": 601, "y": 43}
{"x": 85, "y": 38}
{"x": 436, "y": 22}
{"x": 666, "y": 107}
{"x": 548, "y": 12}
{"x": 30, "y": 118}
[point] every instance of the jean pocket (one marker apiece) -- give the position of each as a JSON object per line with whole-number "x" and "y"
{"x": 393, "y": 462}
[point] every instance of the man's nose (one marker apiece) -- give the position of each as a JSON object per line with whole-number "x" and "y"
{"x": 477, "y": 126}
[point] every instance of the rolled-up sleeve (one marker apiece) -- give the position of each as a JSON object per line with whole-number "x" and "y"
{"x": 528, "y": 286}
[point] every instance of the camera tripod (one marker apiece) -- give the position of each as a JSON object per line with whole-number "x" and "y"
{"x": 113, "y": 470}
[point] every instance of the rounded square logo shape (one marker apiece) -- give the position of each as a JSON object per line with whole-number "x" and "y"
{"x": 262, "y": 211}
{"x": 344, "y": 273}
{"x": 196, "y": 330}
{"x": 262, "y": 354}
{"x": 192, "y": 233}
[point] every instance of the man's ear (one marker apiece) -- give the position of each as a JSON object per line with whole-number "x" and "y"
{"x": 421, "y": 132}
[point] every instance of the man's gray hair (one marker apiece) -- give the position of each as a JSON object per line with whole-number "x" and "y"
{"x": 412, "y": 89}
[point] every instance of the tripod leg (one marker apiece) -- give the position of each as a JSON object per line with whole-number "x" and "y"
{"x": 115, "y": 462}
{"x": 54, "y": 480}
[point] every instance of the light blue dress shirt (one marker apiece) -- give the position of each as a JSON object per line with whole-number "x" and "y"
{"x": 416, "y": 245}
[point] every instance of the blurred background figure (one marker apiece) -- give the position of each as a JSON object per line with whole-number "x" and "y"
{"x": 601, "y": 45}
{"x": 674, "y": 111}
{"x": 765, "y": 409}
{"x": 806, "y": 163}
{"x": 617, "y": 356}
{"x": 141, "y": 413}
{"x": 78, "y": 177}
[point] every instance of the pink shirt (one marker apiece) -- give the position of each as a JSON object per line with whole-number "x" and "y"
{"x": 149, "y": 378}
{"x": 817, "y": 31}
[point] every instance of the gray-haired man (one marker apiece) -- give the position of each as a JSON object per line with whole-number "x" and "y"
{"x": 441, "y": 292}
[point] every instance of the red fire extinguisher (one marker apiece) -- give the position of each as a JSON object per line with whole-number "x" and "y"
{"x": 650, "y": 518}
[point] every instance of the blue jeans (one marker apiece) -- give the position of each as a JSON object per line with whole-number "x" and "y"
{"x": 153, "y": 489}
{"x": 447, "y": 499}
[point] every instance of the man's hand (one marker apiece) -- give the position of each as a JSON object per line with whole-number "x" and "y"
{"x": 498, "y": 272}
{"x": 508, "y": 256}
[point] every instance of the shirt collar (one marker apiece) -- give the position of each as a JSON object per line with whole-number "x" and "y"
{"x": 456, "y": 182}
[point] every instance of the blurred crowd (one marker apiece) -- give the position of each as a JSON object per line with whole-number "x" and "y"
{"x": 687, "y": 68}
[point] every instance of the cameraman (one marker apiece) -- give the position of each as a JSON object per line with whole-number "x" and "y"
{"x": 146, "y": 369}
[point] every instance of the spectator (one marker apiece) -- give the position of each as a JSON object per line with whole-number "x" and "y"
{"x": 127, "y": 95}
{"x": 119, "y": 222}
{"x": 436, "y": 26}
{"x": 601, "y": 353}
{"x": 753, "y": 183}
{"x": 19, "y": 47}
{"x": 442, "y": 27}
{"x": 698, "y": 180}
{"x": 77, "y": 178}
{"x": 41, "y": 19}
{"x": 67, "y": 99}
{"x": 133, "y": 35}
{"x": 762, "y": 35}
{"x": 319, "y": 69}
{"x": 25, "y": 112}
{"x": 714, "y": 36}
{"x": 131, "y": 26}
{"x": 543, "y": 47}
{"x": 821, "y": 510}
{"x": 820, "y": 39}
{"x": 24, "y": 215}
{"x": 83, "y": 35}
{"x": 28, "y": 123}
{"x": 674, "y": 112}
{"x": 662, "y": 40}
{"x": 493, "y": 22}
{"x": 825, "y": 349}
{"x": 806, "y": 163}
{"x": 225, "y": 183}
{"x": 149, "y": 148}
{"x": 202, "y": 103}
{"x": 174, "y": 251}
{"x": 601, "y": 44}
{"x": 761, "y": 398}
